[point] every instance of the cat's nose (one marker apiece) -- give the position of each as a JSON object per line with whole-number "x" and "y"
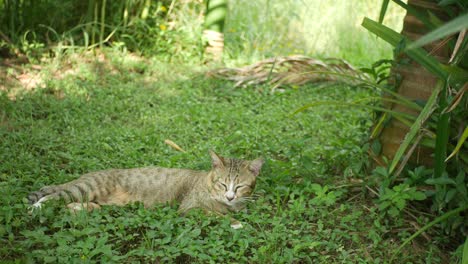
{"x": 230, "y": 196}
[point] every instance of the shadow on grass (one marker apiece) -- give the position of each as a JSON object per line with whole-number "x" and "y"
{"x": 116, "y": 113}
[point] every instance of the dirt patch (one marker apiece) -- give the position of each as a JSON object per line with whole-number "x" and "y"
{"x": 18, "y": 75}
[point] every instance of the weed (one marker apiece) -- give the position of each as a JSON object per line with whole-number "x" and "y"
{"x": 393, "y": 201}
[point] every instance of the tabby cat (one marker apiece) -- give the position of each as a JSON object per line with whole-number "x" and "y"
{"x": 227, "y": 187}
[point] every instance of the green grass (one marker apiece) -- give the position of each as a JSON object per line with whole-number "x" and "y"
{"x": 114, "y": 110}
{"x": 117, "y": 114}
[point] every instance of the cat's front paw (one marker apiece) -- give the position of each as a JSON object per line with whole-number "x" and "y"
{"x": 75, "y": 207}
{"x": 35, "y": 206}
{"x": 236, "y": 225}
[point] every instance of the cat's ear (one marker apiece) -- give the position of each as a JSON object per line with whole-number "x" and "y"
{"x": 216, "y": 160}
{"x": 256, "y": 165}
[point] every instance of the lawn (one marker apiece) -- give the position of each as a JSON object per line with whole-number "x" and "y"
{"x": 117, "y": 112}
{"x": 108, "y": 83}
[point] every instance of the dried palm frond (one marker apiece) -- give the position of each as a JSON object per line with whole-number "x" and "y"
{"x": 292, "y": 70}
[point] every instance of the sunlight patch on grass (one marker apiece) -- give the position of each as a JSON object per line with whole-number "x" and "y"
{"x": 259, "y": 29}
{"x": 310, "y": 205}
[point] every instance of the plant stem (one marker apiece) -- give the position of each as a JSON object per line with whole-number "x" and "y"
{"x": 103, "y": 21}
{"x": 424, "y": 228}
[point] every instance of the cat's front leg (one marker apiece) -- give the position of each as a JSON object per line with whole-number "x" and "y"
{"x": 89, "y": 206}
{"x": 235, "y": 224}
{"x": 209, "y": 210}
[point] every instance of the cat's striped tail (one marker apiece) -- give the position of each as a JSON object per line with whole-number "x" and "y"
{"x": 67, "y": 192}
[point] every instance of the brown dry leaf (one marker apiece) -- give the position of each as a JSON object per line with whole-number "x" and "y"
{"x": 173, "y": 145}
{"x": 457, "y": 99}
{"x": 291, "y": 70}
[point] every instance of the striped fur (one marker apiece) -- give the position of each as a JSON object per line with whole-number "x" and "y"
{"x": 227, "y": 187}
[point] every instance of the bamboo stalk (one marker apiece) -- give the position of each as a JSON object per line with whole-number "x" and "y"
{"x": 125, "y": 14}
{"x": 103, "y": 23}
{"x": 146, "y": 8}
{"x": 89, "y": 19}
{"x": 95, "y": 20}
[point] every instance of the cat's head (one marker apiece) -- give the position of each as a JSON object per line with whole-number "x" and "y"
{"x": 233, "y": 180}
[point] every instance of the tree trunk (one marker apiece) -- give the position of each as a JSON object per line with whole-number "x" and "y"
{"x": 416, "y": 82}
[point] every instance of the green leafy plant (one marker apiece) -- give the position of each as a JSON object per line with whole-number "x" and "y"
{"x": 449, "y": 190}
{"x": 435, "y": 114}
{"x": 393, "y": 201}
{"x": 323, "y": 195}
{"x": 436, "y": 125}
{"x": 143, "y": 26}
{"x": 442, "y": 72}
{"x": 120, "y": 117}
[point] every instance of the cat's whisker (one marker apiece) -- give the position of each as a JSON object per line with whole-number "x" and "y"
{"x": 247, "y": 199}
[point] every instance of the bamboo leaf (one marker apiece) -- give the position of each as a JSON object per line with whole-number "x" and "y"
{"x": 457, "y": 99}
{"x": 442, "y": 135}
{"x": 399, "y": 115}
{"x": 456, "y": 25}
{"x": 408, "y": 155}
{"x": 447, "y": 2}
{"x": 423, "y": 17}
{"x": 459, "y": 144}
{"x": 460, "y": 44}
{"x": 420, "y": 120}
{"x": 367, "y": 84}
{"x": 417, "y": 54}
{"x": 383, "y": 10}
{"x": 379, "y": 126}
{"x": 431, "y": 224}
{"x": 457, "y": 74}
{"x": 465, "y": 252}
{"x": 411, "y": 105}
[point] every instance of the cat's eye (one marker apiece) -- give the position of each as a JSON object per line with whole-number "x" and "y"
{"x": 237, "y": 188}
{"x": 224, "y": 185}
